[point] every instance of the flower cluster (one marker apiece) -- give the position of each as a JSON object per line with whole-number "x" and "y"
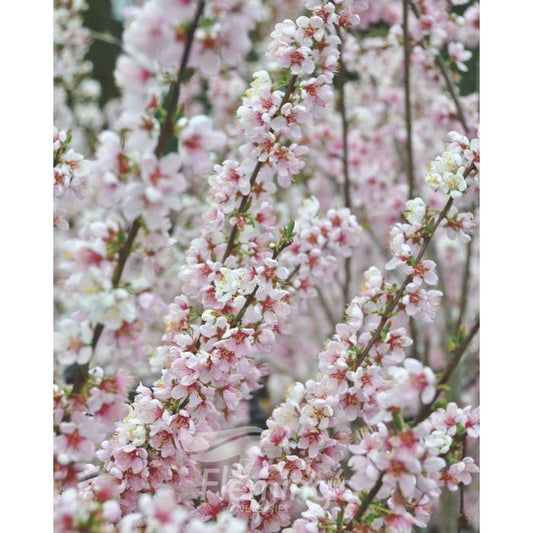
{"x": 448, "y": 173}
{"x": 70, "y": 175}
{"x": 157, "y": 513}
{"x": 82, "y": 421}
{"x": 321, "y": 242}
{"x": 76, "y": 95}
{"x": 156, "y": 39}
{"x": 87, "y": 265}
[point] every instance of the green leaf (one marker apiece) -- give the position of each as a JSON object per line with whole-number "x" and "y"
{"x": 397, "y": 421}
{"x": 384, "y": 333}
{"x": 288, "y": 231}
{"x": 206, "y": 23}
{"x": 440, "y": 404}
{"x": 186, "y": 74}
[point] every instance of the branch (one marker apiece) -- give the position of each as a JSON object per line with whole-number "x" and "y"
{"x": 457, "y": 354}
{"x": 407, "y": 98}
{"x": 464, "y": 286}
{"x": 175, "y": 87}
{"x": 325, "y": 306}
{"x": 368, "y": 500}
{"x": 445, "y": 73}
{"x": 432, "y": 253}
{"x": 346, "y": 172}
{"x": 390, "y": 308}
{"x": 414, "y": 336}
{"x": 295, "y": 271}
{"x": 342, "y": 105}
{"x": 425, "y": 411}
{"x": 82, "y": 371}
{"x": 253, "y": 177}
{"x": 250, "y": 298}
{"x": 345, "y": 166}
{"x": 462, "y": 519}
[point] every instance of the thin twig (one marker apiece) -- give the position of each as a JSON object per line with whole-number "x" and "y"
{"x": 464, "y": 286}
{"x": 323, "y": 302}
{"x": 345, "y": 165}
{"x": 295, "y": 271}
{"x": 175, "y": 88}
{"x": 235, "y": 230}
{"x": 425, "y": 410}
{"x": 390, "y": 308}
{"x": 453, "y": 93}
{"x": 471, "y": 381}
{"x": 251, "y": 297}
{"x": 457, "y": 354}
{"x": 407, "y": 99}
{"x": 432, "y": 254}
{"x": 414, "y": 336}
{"x": 462, "y": 518}
{"x": 446, "y": 75}
{"x": 368, "y": 500}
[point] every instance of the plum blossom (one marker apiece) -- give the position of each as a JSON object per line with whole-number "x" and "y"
{"x": 197, "y": 140}
{"x": 415, "y": 211}
{"x": 459, "y": 55}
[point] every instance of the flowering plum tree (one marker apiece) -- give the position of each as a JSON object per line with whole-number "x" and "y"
{"x": 273, "y": 227}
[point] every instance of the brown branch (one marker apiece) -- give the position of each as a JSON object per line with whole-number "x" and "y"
{"x": 407, "y": 99}
{"x": 325, "y": 306}
{"x": 462, "y": 518}
{"x": 451, "y": 89}
{"x": 235, "y": 230}
{"x": 344, "y": 119}
{"x": 295, "y": 271}
{"x": 432, "y": 254}
{"x": 345, "y": 165}
{"x": 82, "y": 372}
{"x": 425, "y": 411}
{"x": 464, "y": 285}
{"x": 414, "y": 336}
{"x": 346, "y": 174}
{"x": 457, "y": 354}
{"x": 446, "y": 75}
{"x": 250, "y": 298}
{"x": 175, "y": 87}
{"x": 471, "y": 381}
{"x": 368, "y": 500}
{"x": 390, "y": 308}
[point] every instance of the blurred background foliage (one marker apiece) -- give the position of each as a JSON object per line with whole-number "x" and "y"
{"x": 101, "y": 18}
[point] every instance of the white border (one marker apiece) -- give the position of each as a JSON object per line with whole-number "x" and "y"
{"x": 506, "y": 266}
{"x": 26, "y": 265}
